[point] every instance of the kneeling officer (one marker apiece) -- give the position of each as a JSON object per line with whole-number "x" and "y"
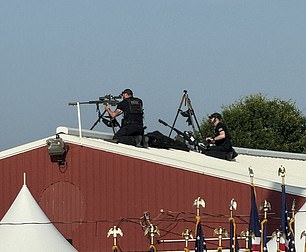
{"x": 222, "y": 139}
{"x": 131, "y": 130}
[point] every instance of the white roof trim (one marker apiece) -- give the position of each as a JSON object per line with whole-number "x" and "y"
{"x": 23, "y": 148}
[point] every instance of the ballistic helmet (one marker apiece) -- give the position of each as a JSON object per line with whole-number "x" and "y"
{"x": 215, "y": 115}
{"x": 127, "y": 91}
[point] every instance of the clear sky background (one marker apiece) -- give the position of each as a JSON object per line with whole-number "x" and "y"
{"x": 55, "y": 52}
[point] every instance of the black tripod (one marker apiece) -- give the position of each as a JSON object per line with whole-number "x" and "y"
{"x": 189, "y": 113}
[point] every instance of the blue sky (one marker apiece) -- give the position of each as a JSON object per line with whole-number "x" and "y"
{"x": 55, "y": 52}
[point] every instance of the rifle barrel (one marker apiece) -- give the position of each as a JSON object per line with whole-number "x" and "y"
{"x": 87, "y": 102}
{"x": 162, "y": 122}
{"x": 176, "y": 130}
{"x": 111, "y": 100}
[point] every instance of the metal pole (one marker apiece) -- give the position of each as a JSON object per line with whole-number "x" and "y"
{"x": 79, "y": 119}
{"x": 192, "y": 240}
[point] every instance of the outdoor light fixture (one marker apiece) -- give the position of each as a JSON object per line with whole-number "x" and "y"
{"x": 57, "y": 149}
{"x": 56, "y": 146}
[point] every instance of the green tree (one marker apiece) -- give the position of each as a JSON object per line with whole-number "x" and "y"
{"x": 259, "y": 123}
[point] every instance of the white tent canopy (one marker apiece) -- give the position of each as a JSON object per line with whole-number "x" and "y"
{"x": 25, "y": 227}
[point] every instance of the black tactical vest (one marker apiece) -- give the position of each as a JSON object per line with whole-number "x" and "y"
{"x": 135, "y": 105}
{"x": 134, "y": 112}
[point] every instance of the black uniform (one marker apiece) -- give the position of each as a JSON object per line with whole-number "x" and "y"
{"x": 224, "y": 144}
{"x": 132, "y": 121}
{"x": 223, "y": 148}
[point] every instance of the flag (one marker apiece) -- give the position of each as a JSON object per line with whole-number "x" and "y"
{"x": 288, "y": 243}
{"x": 200, "y": 244}
{"x": 115, "y": 248}
{"x": 234, "y": 246}
{"x": 254, "y": 224}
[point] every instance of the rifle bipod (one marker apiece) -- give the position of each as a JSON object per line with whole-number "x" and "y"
{"x": 107, "y": 120}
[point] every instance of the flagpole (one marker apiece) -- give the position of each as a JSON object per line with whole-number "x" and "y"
{"x": 254, "y": 224}
{"x": 286, "y": 225}
{"x": 220, "y": 232}
{"x": 200, "y": 244}
{"x": 278, "y": 234}
{"x": 282, "y": 173}
{"x": 265, "y": 206}
{"x": 187, "y": 235}
{"x": 232, "y": 207}
{"x": 198, "y": 202}
{"x": 281, "y": 233}
{"x": 114, "y": 231}
{"x": 151, "y": 231}
{"x": 251, "y": 174}
{"x": 247, "y": 235}
{"x": 292, "y": 219}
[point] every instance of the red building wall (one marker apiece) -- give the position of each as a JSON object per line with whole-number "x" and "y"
{"x": 96, "y": 190}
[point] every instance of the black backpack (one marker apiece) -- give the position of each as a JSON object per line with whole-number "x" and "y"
{"x": 158, "y": 140}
